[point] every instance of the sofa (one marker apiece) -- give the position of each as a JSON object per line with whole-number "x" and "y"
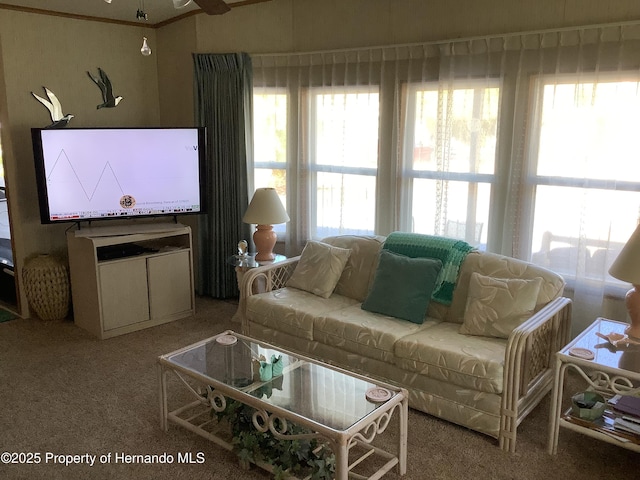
{"x": 344, "y": 301}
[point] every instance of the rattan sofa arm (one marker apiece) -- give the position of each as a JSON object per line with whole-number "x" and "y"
{"x": 275, "y": 276}
{"x": 528, "y": 363}
{"x": 264, "y": 279}
{"x": 542, "y": 335}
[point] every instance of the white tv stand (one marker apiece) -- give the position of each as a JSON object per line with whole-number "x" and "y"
{"x": 126, "y": 278}
{"x": 115, "y": 230}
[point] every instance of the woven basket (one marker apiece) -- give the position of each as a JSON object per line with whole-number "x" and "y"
{"x": 46, "y": 283}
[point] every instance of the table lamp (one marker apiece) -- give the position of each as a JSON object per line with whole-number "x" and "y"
{"x": 627, "y": 268}
{"x": 265, "y": 210}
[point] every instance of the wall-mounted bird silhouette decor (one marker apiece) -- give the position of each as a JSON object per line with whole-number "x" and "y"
{"x": 58, "y": 118}
{"x": 102, "y": 80}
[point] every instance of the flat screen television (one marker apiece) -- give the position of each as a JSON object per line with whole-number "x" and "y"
{"x": 88, "y": 174}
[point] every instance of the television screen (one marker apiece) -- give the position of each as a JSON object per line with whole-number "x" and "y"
{"x": 107, "y": 173}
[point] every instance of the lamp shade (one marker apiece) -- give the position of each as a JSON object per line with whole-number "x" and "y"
{"x": 265, "y": 208}
{"x": 626, "y": 266}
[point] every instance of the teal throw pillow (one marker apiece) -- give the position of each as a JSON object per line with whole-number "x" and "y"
{"x": 402, "y": 286}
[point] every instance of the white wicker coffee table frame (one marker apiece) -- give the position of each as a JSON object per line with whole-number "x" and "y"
{"x": 195, "y": 416}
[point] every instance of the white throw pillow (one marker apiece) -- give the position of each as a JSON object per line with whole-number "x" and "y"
{"x": 319, "y": 268}
{"x": 495, "y": 306}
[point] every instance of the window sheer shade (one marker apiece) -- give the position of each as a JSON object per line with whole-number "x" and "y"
{"x": 521, "y": 144}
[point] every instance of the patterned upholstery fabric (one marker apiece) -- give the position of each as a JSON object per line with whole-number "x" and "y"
{"x": 499, "y": 266}
{"x": 440, "y": 352}
{"x": 460, "y": 378}
{"x": 319, "y": 268}
{"x": 362, "y": 332}
{"x": 479, "y": 411}
{"x": 292, "y": 310}
{"x": 360, "y": 269}
{"x": 496, "y": 306}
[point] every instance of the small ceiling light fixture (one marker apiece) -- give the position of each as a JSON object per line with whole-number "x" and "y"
{"x": 141, "y": 14}
{"x": 145, "y": 50}
{"x": 108, "y": 1}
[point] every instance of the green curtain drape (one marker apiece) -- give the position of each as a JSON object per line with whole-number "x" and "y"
{"x": 223, "y": 104}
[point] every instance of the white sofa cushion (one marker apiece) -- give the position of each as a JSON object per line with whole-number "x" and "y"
{"x": 319, "y": 268}
{"x": 368, "y": 334}
{"x": 499, "y": 266}
{"x": 292, "y": 310}
{"x": 495, "y": 306}
{"x": 442, "y": 353}
{"x": 357, "y": 275}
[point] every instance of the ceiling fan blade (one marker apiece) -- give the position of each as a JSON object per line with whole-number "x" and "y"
{"x": 213, "y": 7}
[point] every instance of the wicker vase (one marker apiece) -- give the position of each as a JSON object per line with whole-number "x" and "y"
{"x": 46, "y": 283}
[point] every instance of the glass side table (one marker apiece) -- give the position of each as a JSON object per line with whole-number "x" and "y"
{"x": 607, "y": 370}
{"x": 249, "y": 261}
{"x": 242, "y": 263}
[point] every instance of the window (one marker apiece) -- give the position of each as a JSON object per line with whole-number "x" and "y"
{"x": 270, "y": 143}
{"x": 449, "y": 159}
{"x": 523, "y": 145}
{"x": 341, "y": 139}
{"x": 585, "y": 175}
{"x": 343, "y": 160}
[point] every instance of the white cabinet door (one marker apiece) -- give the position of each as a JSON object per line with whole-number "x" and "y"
{"x": 124, "y": 292}
{"x": 170, "y": 289}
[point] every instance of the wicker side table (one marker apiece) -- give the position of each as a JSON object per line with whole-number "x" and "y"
{"x": 46, "y": 283}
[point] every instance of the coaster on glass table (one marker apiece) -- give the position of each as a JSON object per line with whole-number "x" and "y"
{"x": 227, "y": 340}
{"x": 378, "y": 394}
{"x": 583, "y": 353}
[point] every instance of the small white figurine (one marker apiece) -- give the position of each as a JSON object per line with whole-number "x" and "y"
{"x": 242, "y": 248}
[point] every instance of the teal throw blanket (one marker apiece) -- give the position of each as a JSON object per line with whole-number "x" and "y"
{"x": 449, "y": 251}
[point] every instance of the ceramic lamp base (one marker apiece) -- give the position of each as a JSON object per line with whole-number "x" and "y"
{"x": 633, "y": 306}
{"x": 265, "y": 239}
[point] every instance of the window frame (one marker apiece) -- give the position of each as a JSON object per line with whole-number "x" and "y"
{"x": 280, "y": 229}
{"x": 409, "y": 174}
{"x": 613, "y": 287}
{"x": 314, "y": 168}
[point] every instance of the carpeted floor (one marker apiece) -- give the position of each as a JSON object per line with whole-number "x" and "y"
{"x": 64, "y": 392}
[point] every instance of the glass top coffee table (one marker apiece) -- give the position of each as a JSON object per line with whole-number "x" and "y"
{"x": 304, "y": 400}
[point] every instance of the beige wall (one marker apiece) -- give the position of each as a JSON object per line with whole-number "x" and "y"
{"x": 40, "y": 50}
{"x": 175, "y": 44}
{"x": 310, "y": 25}
{"x": 54, "y": 51}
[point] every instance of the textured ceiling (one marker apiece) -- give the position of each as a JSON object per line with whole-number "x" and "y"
{"x": 121, "y": 10}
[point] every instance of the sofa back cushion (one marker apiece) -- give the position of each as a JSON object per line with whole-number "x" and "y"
{"x": 357, "y": 275}
{"x": 319, "y": 268}
{"x": 496, "y": 306}
{"x": 402, "y": 286}
{"x": 501, "y": 266}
